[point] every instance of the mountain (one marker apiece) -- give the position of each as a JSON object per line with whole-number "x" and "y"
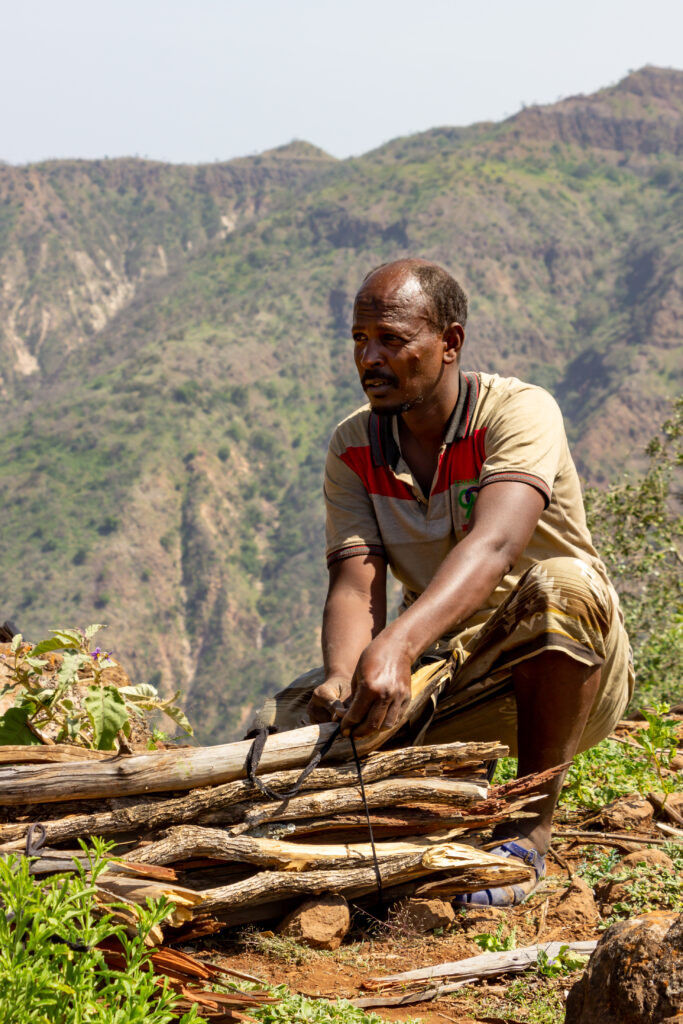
{"x": 175, "y": 353}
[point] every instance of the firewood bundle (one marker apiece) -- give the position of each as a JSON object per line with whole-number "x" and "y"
{"x": 190, "y": 826}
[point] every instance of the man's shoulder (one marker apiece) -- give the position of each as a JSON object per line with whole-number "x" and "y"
{"x": 496, "y": 392}
{"x": 352, "y": 432}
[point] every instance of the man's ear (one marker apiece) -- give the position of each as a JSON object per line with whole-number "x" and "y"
{"x": 453, "y": 339}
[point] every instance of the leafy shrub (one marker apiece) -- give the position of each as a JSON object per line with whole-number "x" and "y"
{"x": 50, "y": 966}
{"x": 94, "y": 721}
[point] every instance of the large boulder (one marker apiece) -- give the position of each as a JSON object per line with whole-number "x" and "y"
{"x": 635, "y": 975}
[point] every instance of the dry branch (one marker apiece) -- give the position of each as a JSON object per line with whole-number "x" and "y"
{"x": 486, "y": 965}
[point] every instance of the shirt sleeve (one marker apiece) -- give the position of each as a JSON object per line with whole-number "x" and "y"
{"x": 351, "y": 527}
{"x": 524, "y": 441}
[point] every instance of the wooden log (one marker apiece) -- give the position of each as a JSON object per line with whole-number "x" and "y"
{"x": 387, "y": 793}
{"x": 187, "y": 768}
{"x": 197, "y": 805}
{"x": 187, "y": 841}
{"x": 53, "y": 754}
{"x": 351, "y": 882}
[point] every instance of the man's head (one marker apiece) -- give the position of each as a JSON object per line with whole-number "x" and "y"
{"x": 408, "y": 328}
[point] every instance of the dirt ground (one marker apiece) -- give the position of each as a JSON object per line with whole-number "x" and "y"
{"x": 374, "y": 949}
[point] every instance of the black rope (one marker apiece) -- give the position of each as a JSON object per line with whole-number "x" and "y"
{"x": 378, "y": 874}
{"x": 254, "y": 757}
{"x": 33, "y": 846}
{"x": 252, "y": 763}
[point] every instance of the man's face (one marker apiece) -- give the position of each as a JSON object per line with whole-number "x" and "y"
{"x": 398, "y": 352}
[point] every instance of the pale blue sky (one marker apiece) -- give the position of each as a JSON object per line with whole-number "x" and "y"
{"x": 214, "y": 79}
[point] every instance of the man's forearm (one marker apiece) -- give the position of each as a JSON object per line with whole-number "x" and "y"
{"x": 350, "y": 620}
{"x": 461, "y": 586}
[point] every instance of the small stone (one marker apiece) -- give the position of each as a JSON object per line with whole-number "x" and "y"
{"x": 627, "y": 813}
{"x": 677, "y": 763}
{"x": 651, "y": 858}
{"x": 572, "y": 913}
{"x": 425, "y": 915}
{"x": 320, "y": 923}
{"x": 635, "y": 975}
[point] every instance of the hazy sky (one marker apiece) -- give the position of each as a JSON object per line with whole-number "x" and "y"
{"x": 214, "y": 79}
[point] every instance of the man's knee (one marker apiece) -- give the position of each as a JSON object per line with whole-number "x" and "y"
{"x": 570, "y": 587}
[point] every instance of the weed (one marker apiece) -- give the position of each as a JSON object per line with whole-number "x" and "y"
{"x": 50, "y": 966}
{"x": 495, "y": 943}
{"x": 295, "y": 1009}
{"x": 565, "y": 962}
{"x": 96, "y": 720}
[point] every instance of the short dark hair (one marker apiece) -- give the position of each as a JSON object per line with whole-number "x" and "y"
{"x": 446, "y": 298}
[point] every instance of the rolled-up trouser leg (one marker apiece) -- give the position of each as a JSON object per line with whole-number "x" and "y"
{"x": 560, "y": 604}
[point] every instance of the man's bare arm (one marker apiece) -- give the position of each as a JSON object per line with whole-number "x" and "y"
{"x": 355, "y": 612}
{"x": 504, "y": 518}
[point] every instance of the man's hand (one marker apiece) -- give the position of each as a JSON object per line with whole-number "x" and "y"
{"x": 330, "y": 700}
{"x": 381, "y": 688}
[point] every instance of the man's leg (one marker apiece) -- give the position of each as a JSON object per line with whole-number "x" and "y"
{"x": 554, "y": 696}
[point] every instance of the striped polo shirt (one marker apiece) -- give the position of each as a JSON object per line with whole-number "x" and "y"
{"x": 500, "y": 429}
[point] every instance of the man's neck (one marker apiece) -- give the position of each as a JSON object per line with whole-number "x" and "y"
{"x": 427, "y": 422}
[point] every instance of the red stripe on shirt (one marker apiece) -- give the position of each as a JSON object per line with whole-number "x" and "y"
{"x": 375, "y": 479}
{"x": 462, "y": 461}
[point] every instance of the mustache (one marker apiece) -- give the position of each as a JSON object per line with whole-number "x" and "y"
{"x": 388, "y": 378}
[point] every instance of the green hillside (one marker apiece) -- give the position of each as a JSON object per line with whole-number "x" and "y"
{"x": 175, "y": 353}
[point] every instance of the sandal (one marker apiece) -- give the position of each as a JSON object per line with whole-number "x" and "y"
{"x": 507, "y": 895}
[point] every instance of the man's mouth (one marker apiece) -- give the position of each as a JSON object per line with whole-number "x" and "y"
{"x": 376, "y": 383}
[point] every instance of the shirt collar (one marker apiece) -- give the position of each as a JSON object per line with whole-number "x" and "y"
{"x": 383, "y": 433}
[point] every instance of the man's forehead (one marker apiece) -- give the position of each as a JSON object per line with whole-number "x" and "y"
{"x": 391, "y": 296}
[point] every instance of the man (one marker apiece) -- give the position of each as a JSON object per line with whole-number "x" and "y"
{"x": 464, "y": 486}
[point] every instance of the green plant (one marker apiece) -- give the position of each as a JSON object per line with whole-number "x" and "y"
{"x": 565, "y": 962}
{"x": 660, "y": 742}
{"x": 296, "y": 1009}
{"x": 51, "y": 968}
{"x": 496, "y": 943}
{"x": 642, "y": 889}
{"x": 53, "y": 700}
{"x": 637, "y": 528}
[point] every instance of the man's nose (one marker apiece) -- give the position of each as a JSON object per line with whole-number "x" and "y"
{"x": 371, "y": 354}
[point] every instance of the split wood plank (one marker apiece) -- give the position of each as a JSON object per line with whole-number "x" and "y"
{"x": 187, "y": 768}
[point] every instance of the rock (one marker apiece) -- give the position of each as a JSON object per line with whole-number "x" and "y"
{"x": 653, "y": 858}
{"x": 320, "y": 923}
{"x": 635, "y": 975}
{"x": 422, "y": 915}
{"x": 572, "y": 913}
{"x": 677, "y": 763}
{"x": 675, "y": 802}
{"x": 627, "y": 813}
{"x": 476, "y": 920}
